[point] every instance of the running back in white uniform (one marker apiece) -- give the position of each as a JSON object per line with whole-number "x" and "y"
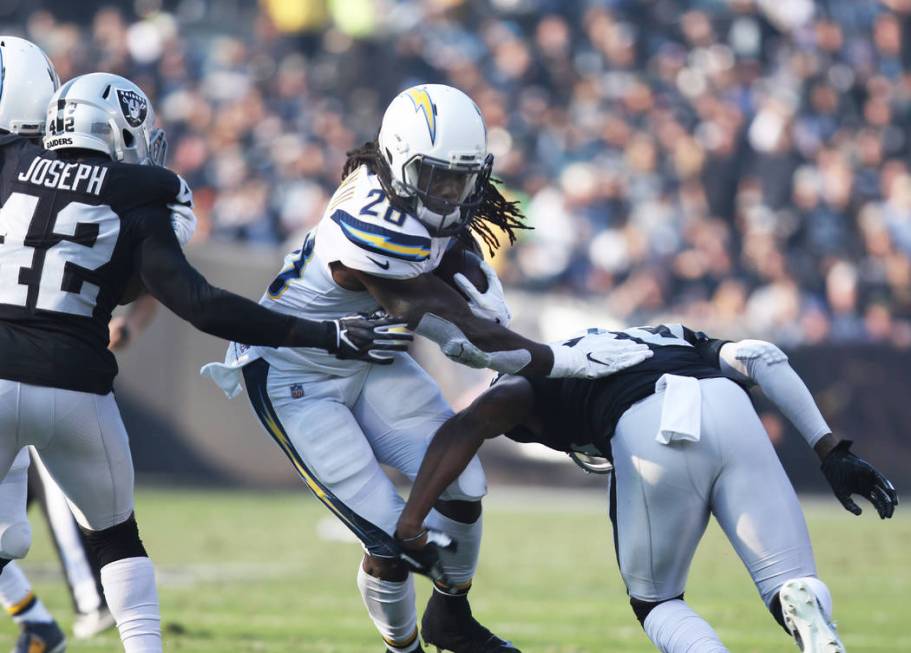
{"x": 361, "y": 230}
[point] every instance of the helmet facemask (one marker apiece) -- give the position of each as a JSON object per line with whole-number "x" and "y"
{"x": 158, "y": 147}
{"x": 448, "y": 190}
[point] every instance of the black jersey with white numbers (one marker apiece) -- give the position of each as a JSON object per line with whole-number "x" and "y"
{"x": 73, "y": 234}
{"x": 578, "y": 413}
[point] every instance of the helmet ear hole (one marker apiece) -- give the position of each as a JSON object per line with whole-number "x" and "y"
{"x": 128, "y": 140}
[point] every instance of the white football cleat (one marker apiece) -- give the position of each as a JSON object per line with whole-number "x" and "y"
{"x": 89, "y": 624}
{"x": 805, "y": 620}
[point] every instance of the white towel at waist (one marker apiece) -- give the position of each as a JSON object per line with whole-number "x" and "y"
{"x": 681, "y": 409}
{"x": 229, "y": 374}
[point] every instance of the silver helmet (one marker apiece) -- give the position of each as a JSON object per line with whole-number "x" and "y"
{"x": 106, "y": 113}
{"x": 27, "y": 82}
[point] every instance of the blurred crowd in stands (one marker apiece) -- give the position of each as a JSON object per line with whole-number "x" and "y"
{"x": 742, "y": 165}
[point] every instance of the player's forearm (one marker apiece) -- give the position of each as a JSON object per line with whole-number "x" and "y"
{"x": 483, "y": 343}
{"x": 434, "y": 310}
{"x": 179, "y": 286}
{"x": 232, "y": 317}
{"x": 766, "y": 366}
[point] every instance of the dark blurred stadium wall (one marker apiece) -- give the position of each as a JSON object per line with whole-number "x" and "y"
{"x": 184, "y": 430}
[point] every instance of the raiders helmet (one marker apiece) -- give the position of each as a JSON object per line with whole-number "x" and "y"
{"x": 106, "y": 113}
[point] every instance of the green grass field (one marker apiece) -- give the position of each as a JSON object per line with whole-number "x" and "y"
{"x": 245, "y": 572}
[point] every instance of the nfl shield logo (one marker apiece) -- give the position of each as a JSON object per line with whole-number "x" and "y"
{"x": 297, "y": 391}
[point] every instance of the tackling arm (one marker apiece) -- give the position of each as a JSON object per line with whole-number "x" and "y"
{"x": 433, "y": 309}
{"x": 439, "y": 313}
{"x": 500, "y": 408}
{"x": 170, "y": 278}
{"x": 765, "y": 365}
{"x": 762, "y": 363}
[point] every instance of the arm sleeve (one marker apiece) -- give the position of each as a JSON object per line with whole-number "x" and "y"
{"x": 171, "y": 279}
{"x": 762, "y": 363}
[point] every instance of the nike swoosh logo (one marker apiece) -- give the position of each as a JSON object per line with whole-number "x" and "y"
{"x": 595, "y": 360}
{"x": 384, "y": 264}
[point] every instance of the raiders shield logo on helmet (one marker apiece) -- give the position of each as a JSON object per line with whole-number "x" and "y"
{"x": 134, "y": 107}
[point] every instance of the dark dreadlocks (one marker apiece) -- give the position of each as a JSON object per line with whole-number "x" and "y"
{"x": 493, "y": 213}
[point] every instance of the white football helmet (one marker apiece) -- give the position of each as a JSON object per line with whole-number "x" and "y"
{"x": 434, "y": 140}
{"x": 27, "y": 82}
{"x": 106, "y": 113}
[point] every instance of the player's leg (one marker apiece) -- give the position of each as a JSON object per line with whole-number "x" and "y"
{"x": 89, "y": 456}
{"x": 400, "y": 408}
{"x": 767, "y": 527}
{"x": 83, "y": 578}
{"x": 39, "y": 631}
{"x": 659, "y": 509}
{"x": 307, "y": 416}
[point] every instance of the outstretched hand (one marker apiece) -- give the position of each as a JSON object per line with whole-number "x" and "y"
{"x": 373, "y": 338}
{"x": 848, "y": 474}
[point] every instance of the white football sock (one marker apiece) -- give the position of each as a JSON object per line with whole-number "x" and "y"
{"x": 673, "y": 627}
{"x": 129, "y": 586}
{"x": 18, "y": 599}
{"x": 459, "y": 566}
{"x": 391, "y": 607}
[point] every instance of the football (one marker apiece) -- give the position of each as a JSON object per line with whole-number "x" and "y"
{"x": 461, "y": 259}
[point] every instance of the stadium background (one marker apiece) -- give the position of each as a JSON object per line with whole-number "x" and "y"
{"x": 737, "y": 165}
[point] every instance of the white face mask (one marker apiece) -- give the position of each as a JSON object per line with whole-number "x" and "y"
{"x": 434, "y": 221}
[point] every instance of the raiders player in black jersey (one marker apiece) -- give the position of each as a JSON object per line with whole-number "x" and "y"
{"x": 79, "y": 223}
{"x": 685, "y": 442}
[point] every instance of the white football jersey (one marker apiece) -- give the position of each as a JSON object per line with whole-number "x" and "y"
{"x": 361, "y": 230}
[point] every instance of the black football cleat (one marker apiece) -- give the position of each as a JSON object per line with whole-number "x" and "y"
{"x": 40, "y": 638}
{"x": 449, "y": 626}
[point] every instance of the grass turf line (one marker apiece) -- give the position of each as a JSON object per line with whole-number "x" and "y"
{"x": 246, "y": 572}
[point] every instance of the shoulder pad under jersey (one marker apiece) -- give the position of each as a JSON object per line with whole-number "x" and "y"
{"x": 365, "y": 232}
{"x": 131, "y": 185}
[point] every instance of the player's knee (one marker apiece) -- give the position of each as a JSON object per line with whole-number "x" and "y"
{"x": 466, "y": 512}
{"x": 391, "y": 569}
{"x": 16, "y": 540}
{"x": 643, "y": 608}
{"x": 118, "y": 542}
{"x": 470, "y": 486}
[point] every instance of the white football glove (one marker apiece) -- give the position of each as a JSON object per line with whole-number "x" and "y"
{"x": 183, "y": 220}
{"x": 597, "y": 355}
{"x": 490, "y": 305}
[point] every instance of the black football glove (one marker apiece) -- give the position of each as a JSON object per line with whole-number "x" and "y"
{"x": 848, "y": 474}
{"x": 425, "y": 560}
{"x": 371, "y": 339}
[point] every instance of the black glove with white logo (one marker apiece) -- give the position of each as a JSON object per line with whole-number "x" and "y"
{"x": 848, "y": 474}
{"x": 422, "y": 554}
{"x": 371, "y": 339}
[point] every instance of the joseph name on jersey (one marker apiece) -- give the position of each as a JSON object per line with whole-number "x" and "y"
{"x": 362, "y": 231}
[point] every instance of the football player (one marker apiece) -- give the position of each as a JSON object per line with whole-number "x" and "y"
{"x": 86, "y": 224}
{"x": 685, "y": 443}
{"x": 422, "y": 187}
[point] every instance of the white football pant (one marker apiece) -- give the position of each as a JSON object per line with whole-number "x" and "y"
{"x": 663, "y": 494}
{"x": 338, "y": 430}
{"x": 82, "y": 442}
